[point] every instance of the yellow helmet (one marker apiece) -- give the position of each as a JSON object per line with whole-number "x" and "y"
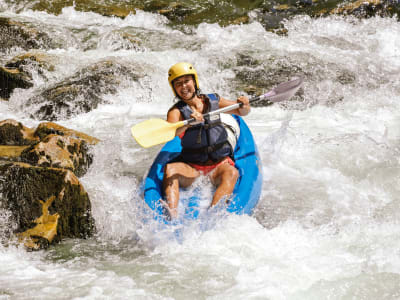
{"x": 181, "y": 69}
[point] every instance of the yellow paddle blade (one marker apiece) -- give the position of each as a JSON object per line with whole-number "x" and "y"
{"x": 154, "y": 131}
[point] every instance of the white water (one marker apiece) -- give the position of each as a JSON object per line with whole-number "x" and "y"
{"x": 327, "y": 224}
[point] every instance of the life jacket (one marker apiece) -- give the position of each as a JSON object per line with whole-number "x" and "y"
{"x": 204, "y": 141}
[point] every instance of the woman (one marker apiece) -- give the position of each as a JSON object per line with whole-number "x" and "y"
{"x": 205, "y": 148}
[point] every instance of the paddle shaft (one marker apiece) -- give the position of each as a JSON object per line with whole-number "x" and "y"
{"x": 229, "y": 108}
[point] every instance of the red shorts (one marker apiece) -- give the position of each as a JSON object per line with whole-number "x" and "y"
{"x": 205, "y": 169}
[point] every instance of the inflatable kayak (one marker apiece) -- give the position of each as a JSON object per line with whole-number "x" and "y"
{"x": 247, "y": 189}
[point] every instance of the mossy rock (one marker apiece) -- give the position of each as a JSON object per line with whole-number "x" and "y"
{"x": 46, "y": 128}
{"x": 107, "y": 8}
{"x": 16, "y": 134}
{"x": 59, "y": 152}
{"x": 11, "y": 152}
{"x": 41, "y": 199}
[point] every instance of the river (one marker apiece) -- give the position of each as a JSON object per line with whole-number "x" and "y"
{"x": 327, "y": 225}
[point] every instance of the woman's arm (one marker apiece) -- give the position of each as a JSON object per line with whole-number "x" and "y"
{"x": 173, "y": 116}
{"x": 242, "y": 111}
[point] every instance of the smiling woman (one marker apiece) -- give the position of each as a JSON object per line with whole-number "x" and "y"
{"x": 327, "y": 221}
{"x": 206, "y": 149}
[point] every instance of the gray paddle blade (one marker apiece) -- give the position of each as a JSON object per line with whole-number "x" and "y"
{"x": 286, "y": 90}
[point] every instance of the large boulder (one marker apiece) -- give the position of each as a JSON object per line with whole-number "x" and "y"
{"x": 47, "y": 204}
{"x": 39, "y": 186}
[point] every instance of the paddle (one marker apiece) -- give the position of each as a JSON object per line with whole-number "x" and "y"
{"x": 157, "y": 131}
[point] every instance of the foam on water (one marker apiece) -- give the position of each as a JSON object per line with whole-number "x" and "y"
{"x": 327, "y": 224}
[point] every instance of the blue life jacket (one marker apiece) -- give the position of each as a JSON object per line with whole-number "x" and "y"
{"x": 204, "y": 141}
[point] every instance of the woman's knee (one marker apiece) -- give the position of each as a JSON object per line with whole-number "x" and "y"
{"x": 170, "y": 171}
{"x": 231, "y": 174}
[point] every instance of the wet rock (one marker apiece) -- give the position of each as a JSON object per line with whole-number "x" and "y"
{"x": 244, "y": 59}
{"x": 241, "y": 20}
{"x": 11, "y": 152}
{"x": 81, "y": 92}
{"x": 346, "y": 77}
{"x": 116, "y": 9}
{"x": 38, "y": 60}
{"x": 47, "y": 204}
{"x": 121, "y": 10}
{"x": 260, "y": 78}
{"x": 22, "y": 35}
{"x": 44, "y": 199}
{"x": 14, "y": 133}
{"x": 50, "y": 145}
{"x": 59, "y": 152}
{"x": 11, "y": 79}
{"x": 175, "y": 12}
{"x": 18, "y": 72}
{"x": 46, "y": 128}
{"x": 181, "y": 13}
{"x": 122, "y": 40}
{"x": 363, "y": 8}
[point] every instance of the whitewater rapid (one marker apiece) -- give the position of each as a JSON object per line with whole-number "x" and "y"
{"x": 327, "y": 224}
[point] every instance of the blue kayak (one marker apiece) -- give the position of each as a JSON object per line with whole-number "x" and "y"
{"x": 247, "y": 189}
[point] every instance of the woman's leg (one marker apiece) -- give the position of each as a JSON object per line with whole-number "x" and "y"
{"x": 224, "y": 177}
{"x": 177, "y": 175}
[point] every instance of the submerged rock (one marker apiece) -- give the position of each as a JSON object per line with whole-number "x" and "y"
{"x": 18, "y": 72}
{"x": 47, "y": 204}
{"x": 22, "y": 35}
{"x": 255, "y": 77}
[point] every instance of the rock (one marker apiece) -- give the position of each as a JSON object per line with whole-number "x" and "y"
{"x": 11, "y": 152}
{"x": 22, "y": 35}
{"x": 46, "y": 128}
{"x": 55, "y": 7}
{"x": 50, "y": 145}
{"x": 59, "y": 152}
{"x": 44, "y": 198}
{"x": 360, "y": 8}
{"x": 17, "y": 73}
{"x": 175, "y": 12}
{"x": 14, "y": 133}
{"x": 241, "y": 20}
{"x": 11, "y": 79}
{"x": 80, "y": 93}
{"x": 47, "y": 204}
{"x": 261, "y": 80}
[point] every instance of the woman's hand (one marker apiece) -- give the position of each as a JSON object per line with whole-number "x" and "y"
{"x": 245, "y": 108}
{"x": 197, "y": 116}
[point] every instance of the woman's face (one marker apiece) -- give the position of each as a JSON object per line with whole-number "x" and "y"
{"x": 185, "y": 87}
